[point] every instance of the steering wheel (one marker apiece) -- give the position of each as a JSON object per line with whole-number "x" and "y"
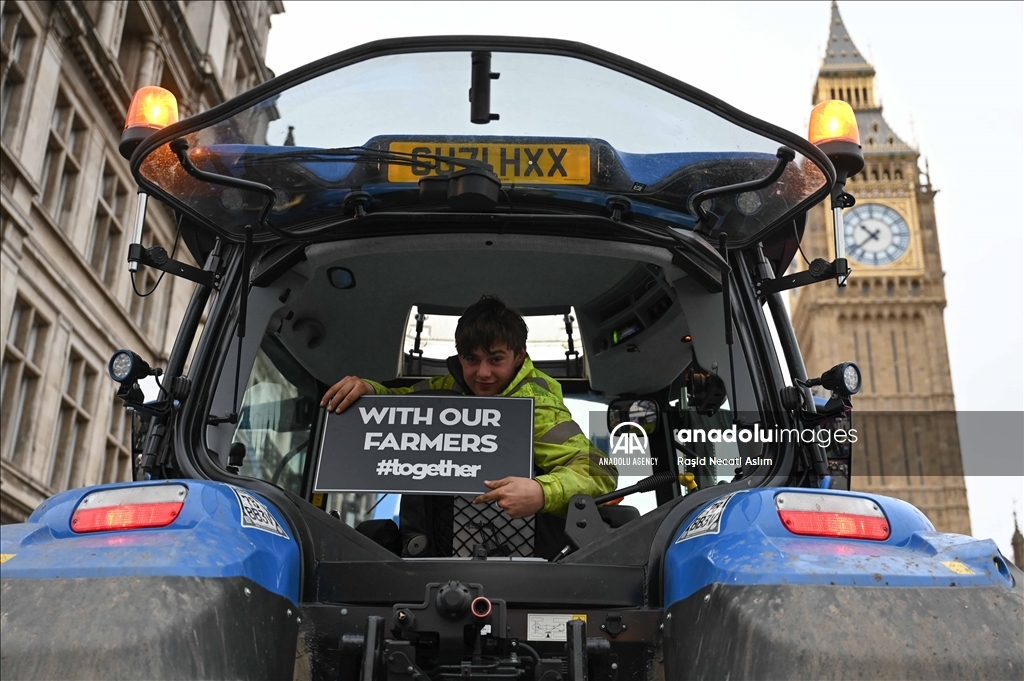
{"x": 285, "y": 459}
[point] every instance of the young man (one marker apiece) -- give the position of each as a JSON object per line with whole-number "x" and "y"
{"x": 491, "y": 343}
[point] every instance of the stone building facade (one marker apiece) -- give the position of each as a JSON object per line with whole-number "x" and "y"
{"x": 67, "y": 72}
{"x": 889, "y": 319}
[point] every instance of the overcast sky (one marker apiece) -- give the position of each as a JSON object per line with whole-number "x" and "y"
{"x": 951, "y": 81}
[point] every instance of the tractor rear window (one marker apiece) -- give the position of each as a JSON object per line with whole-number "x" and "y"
{"x": 431, "y": 340}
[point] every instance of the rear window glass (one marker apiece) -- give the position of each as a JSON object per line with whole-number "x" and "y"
{"x": 547, "y": 339}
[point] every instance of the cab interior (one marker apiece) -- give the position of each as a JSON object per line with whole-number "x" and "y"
{"x": 344, "y": 308}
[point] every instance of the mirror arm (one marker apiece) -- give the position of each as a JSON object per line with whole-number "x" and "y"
{"x": 157, "y": 258}
{"x": 819, "y": 270}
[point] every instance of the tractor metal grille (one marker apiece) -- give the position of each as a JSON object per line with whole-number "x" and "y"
{"x": 488, "y": 525}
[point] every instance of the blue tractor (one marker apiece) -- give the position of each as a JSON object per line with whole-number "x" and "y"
{"x": 341, "y": 209}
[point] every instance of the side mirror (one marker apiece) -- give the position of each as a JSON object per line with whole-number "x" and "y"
{"x": 642, "y": 412}
{"x": 707, "y": 392}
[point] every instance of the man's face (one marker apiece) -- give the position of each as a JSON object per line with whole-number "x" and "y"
{"x": 488, "y": 372}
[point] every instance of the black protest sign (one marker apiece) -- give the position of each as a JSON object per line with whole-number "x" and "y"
{"x": 425, "y": 444}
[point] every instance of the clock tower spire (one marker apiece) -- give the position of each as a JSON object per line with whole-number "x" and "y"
{"x": 845, "y": 73}
{"x": 888, "y": 318}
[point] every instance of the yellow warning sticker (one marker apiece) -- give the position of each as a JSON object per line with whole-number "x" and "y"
{"x": 958, "y": 567}
{"x": 4, "y": 557}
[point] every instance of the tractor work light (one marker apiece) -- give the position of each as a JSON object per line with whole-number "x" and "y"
{"x": 129, "y": 508}
{"x": 831, "y": 515}
{"x": 844, "y": 379}
{"x": 126, "y": 367}
{"x": 152, "y": 109}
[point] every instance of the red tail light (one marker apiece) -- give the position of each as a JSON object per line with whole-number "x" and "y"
{"x": 129, "y": 508}
{"x": 828, "y": 515}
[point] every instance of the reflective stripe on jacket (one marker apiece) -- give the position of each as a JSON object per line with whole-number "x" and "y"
{"x": 569, "y": 462}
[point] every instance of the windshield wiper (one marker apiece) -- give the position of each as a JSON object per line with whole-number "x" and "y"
{"x": 366, "y": 154}
{"x": 706, "y": 219}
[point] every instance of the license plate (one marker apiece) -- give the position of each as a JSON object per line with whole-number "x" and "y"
{"x": 539, "y": 163}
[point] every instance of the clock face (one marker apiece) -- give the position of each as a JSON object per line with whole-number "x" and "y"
{"x": 875, "y": 234}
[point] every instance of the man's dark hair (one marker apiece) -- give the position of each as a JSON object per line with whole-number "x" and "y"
{"x": 488, "y": 323}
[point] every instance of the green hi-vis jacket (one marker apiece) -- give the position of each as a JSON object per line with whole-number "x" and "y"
{"x": 571, "y": 464}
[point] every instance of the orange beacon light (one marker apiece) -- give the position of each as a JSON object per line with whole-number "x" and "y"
{"x": 833, "y": 120}
{"x": 833, "y": 129}
{"x": 152, "y": 109}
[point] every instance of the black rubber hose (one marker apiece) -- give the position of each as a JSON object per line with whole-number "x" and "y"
{"x": 529, "y": 651}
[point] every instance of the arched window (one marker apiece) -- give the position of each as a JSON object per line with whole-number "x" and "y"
{"x": 899, "y": 174}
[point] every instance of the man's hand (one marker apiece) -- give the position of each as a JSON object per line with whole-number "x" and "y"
{"x": 343, "y": 393}
{"x": 518, "y": 497}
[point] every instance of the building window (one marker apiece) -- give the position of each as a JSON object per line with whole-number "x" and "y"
{"x": 23, "y": 355}
{"x": 70, "y": 450}
{"x": 62, "y": 166}
{"x": 17, "y": 39}
{"x": 108, "y": 225}
{"x": 117, "y": 465}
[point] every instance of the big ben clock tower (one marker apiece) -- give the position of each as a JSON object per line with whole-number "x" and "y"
{"x": 888, "y": 318}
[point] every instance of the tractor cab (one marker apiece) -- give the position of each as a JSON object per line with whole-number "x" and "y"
{"x": 355, "y": 208}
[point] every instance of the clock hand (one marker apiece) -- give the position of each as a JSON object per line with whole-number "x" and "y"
{"x": 871, "y": 235}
